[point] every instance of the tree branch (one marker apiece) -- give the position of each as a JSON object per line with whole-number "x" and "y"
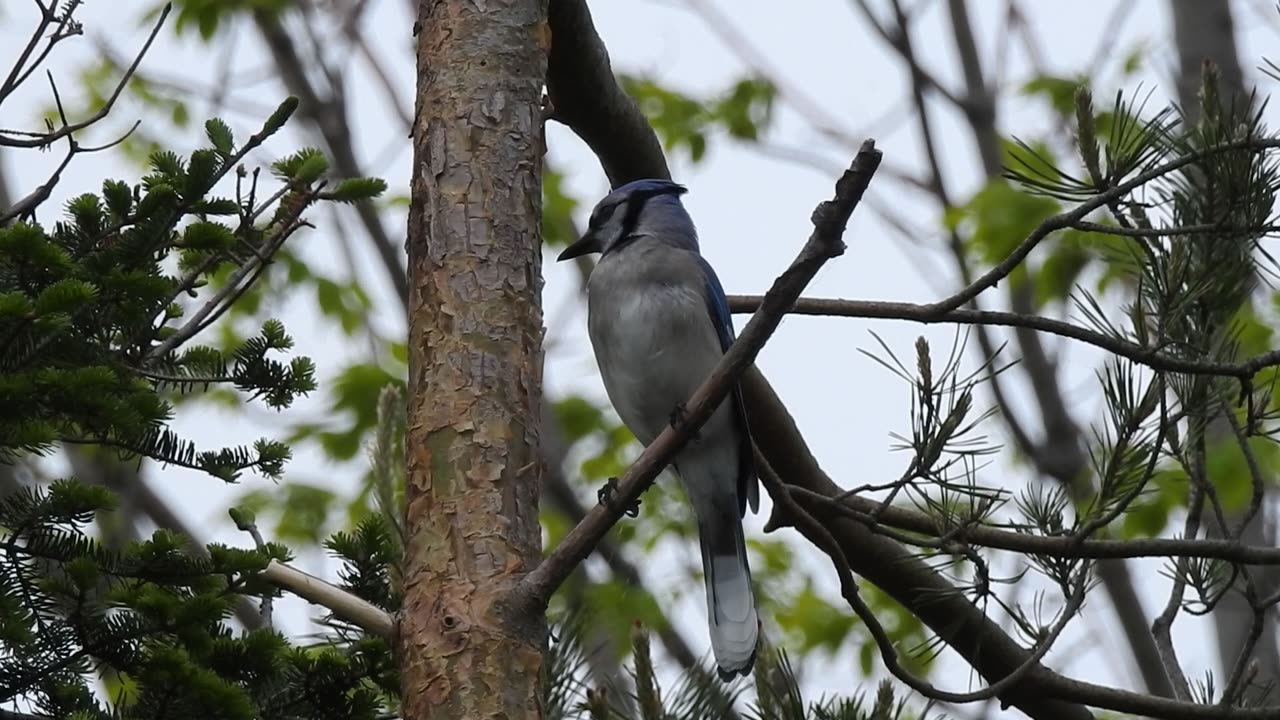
{"x": 46, "y": 139}
{"x": 557, "y": 490}
{"x": 873, "y": 513}
{"x": 586, "y": 97}
{"x": 930, "y": 313}
{"x": 829, "y": 220}
{"x": 341, "y": 603}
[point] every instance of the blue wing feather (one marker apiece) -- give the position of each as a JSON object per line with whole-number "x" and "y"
{"x": 718, "y": 308}
{"x": 717, "y": 305}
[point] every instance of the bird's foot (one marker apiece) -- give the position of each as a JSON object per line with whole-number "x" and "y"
{"x": 680, "y": 415}
{"x": 605, "y": 496}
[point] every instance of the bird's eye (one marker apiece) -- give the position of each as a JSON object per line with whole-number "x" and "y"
{"x": 600, "y": 214}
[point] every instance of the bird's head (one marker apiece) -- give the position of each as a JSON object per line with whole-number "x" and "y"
{"x": 639, "y": 208}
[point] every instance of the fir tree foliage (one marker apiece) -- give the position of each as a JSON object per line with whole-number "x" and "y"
{"x": 101, "y": 317}
{"x": 98, "y": 311}
{"x": 150, "y": 621}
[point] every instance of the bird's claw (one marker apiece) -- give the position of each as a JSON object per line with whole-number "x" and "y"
{"x": 605, "y": 496}
{"x": 679, "y": 415}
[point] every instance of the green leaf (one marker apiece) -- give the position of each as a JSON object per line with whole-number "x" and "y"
{"x": 118, "y": 196}
{"x": 1002, "y": 217}
{"x": 65, "y": 296}
{"x": 281, "y": 116}
{"x": 208, "y": 236}
{"x": 306, "y": 165}
{"x": 216, "y": 206}
{"x": 558, "y": 206}
{"x": 815, "y": 622}
{"x": 202, "y": 170}
{"x": 1059, "y": 92}
{"x": 354, "y": 189}
{"x": 219, "y": 134}
{"x": 577, "y": 418}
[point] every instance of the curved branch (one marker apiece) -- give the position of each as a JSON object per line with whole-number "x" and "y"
{"x": 585, "y": 96}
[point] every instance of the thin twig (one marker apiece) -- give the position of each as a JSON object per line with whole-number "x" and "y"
{"x": 937, "y": 312}
{"x": 1014, "y": 539}
{"x": 45, "y": 139}
{"x": 1163, "y": 624}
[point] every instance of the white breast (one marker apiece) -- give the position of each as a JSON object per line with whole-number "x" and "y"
{"x": 654, "y": 343}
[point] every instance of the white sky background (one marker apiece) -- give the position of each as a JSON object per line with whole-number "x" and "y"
{"x": 752, "y": 212}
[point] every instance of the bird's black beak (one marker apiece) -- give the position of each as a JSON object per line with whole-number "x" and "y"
{"x": 586, "y": 245}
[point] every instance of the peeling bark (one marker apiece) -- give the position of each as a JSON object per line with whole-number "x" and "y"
{"x": 475, "y": 362}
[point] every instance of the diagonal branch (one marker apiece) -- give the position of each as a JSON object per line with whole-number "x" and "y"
{"x": 829, "y": 221}
{"x": 328, "y": 115}
{"x": 45, "y": 139}
{"x": 345, "y": 606}
{"x": 558, "y": 493}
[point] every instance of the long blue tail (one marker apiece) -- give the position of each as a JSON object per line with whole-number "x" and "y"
{"x": 731, "y": 608}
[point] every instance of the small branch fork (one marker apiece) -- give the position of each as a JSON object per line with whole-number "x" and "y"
{"x": 64, "y": 26}
{"x": 25, "y": 139}
{"x": 829, "y": 221}
{"x": 1029, "y": 675}
{"x": 820, "y": 536}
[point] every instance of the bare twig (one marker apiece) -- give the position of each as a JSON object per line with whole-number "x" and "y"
{"x": 895, "y": 39}
{"x": 248, "y": 525}
{"x": 44, "y": 139}
{"x": 1163, "y": 624}
{"x": 812, "y": 110}
{"x": 341, "y": 603}
{"x": 1011, "y": 538}
{"x": 1154, "y": 358}
{"x": 67, "y": 27}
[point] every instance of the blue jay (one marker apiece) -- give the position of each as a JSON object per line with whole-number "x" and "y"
{"x": 659, "y": 322}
